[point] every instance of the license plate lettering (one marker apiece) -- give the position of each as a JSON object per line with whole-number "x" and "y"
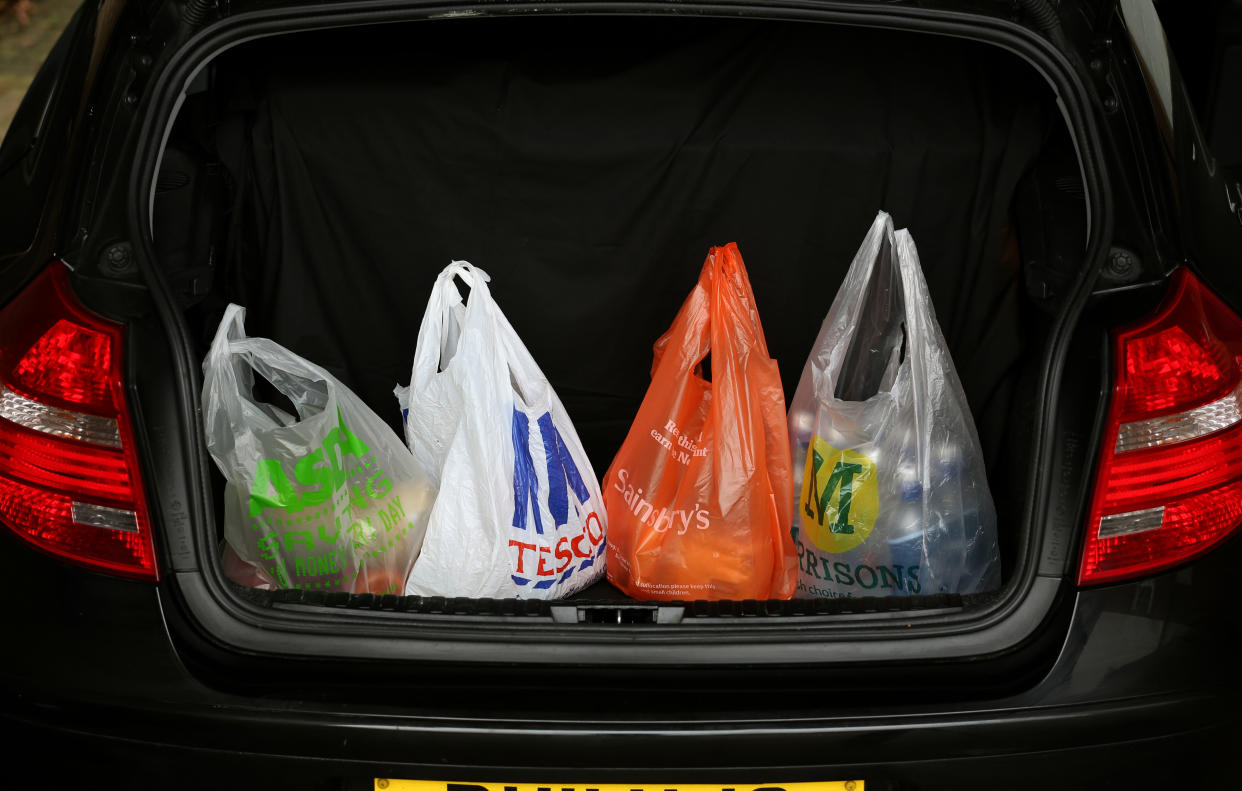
{"x": 392, "y": 784}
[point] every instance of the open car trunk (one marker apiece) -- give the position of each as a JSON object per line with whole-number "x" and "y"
{"x": 322, "y": 180}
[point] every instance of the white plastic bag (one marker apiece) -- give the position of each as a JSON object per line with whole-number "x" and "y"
{"x": 329, "y": 500}
{"x": 888, "y": 473}
{"x": 519, "y": 511}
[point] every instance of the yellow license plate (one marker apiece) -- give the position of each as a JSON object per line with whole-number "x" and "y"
{"x": 390, "y": 784}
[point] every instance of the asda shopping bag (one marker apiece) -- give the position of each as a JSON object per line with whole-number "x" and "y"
{"x": 699, "y": 494}
{"x": 519, "y": 511}
{"x": 891, "y": 493}
{"x": 327, "y": 500}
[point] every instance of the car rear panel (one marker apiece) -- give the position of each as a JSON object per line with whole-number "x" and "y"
{"x": 1043, "y": 683}
{"x": 1140, "y": 689}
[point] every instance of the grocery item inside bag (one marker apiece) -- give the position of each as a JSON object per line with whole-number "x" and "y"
{"x": 588, "y": 164}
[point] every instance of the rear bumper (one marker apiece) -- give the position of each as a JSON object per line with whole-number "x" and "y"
{"x": 1146, "y": 742}
{"x": 1144, "y": 689}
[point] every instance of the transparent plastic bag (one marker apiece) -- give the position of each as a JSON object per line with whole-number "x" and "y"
{"x": 327, "y": 500}
{"x": 519, "y": 513}
{"x": 888, "y": 474}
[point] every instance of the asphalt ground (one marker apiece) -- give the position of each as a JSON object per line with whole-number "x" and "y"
{"x": 27, "y": 32}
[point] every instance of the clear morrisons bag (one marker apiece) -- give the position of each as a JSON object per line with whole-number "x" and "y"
{"x": 330, "y": 500}
{"x": 890, "y": 491}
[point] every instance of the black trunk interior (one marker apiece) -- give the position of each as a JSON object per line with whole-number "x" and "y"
{"x": 587, "y": 163}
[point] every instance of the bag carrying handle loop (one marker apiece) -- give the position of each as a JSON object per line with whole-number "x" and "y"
{"x": 229, "y": 378}
{"x": 722, "y": 295}
{"x": 446, "y": 318}
{"x": 847, "y": 305}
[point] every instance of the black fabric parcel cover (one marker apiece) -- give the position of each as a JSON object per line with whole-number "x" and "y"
{"x": 587, "y": 164}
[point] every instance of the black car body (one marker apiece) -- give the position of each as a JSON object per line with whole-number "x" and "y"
{"x": 143, "y": 160}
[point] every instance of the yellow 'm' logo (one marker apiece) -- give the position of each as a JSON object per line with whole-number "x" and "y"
{"x": 840, "y": 497}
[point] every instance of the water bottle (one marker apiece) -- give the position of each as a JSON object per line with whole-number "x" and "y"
{"x": 904, "y": 528}
{"x": 801, "y": 425}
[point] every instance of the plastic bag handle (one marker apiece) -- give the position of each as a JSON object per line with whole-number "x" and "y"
{"x": 228, "y": 379}
{"x": 443, "y": 313}
{"x": 733, "y": 302}
{"x": 233, "y": 356}
{"x": 826, "y": 361}
{"x": 223, "y": 382}
{"x": 232, "y": 328}
{"x": 720, "y": 310}
{"x": 924, "y": 337}
{"x": 689, "y": 336}
{"x": 521, "y": 362}
{"x": 445, "y": 317}
{"x": 292, "y": 376}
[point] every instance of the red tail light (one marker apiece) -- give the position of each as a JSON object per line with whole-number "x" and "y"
{"x": 1169, "y": 485}
{"x": 69, "y": 481}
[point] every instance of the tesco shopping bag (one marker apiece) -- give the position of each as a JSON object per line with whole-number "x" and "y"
{"x": 699, "y": 494}
{"x": 519, "y": 511}
{"x": 891, "y": 493}
{"x": 328, "y": 500}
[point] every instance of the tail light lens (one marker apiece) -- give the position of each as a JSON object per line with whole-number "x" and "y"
{"x": 69, "y": 482}
{"x": 1169, "y": 485}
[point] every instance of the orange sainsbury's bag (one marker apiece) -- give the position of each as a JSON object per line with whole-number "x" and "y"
{"x": 699, "y": 497}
